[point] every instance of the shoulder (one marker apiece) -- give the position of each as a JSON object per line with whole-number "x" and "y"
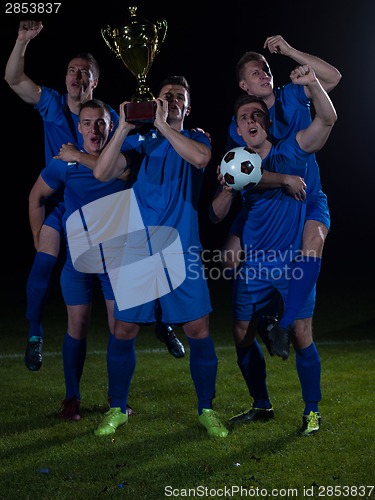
{"x": 290, "y": 93}
{"x": 50, "y": 99}
{"x": 48, "y": 94}
{"x": 197, "y": 135}
{"x": 114, "y": 115}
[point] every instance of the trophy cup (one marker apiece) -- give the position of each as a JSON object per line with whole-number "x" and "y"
{"x": 137, "y": 44}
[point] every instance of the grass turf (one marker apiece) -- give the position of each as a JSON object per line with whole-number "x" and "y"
{"x": 162, "y": 452}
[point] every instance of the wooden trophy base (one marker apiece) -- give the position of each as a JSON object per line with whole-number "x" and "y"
{"x": 140, "y": 112}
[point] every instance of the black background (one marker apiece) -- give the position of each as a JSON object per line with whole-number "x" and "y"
{"x": 204, "y": 42}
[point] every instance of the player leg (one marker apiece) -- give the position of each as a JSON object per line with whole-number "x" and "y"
{"x": 110, "y": 306}
{"x": 231, "y": 257}
{"x": 251, "y": 300}
{"x": 165, "y": 333}
{"x": 77, "y": 289}
{"x": 203, "y": 370}
{"x": 304, "y": 271}
{"x": 121, "y": 363}
{"x": 190, "y": 305}
{"x": 308, "y": 367}
{"x": 38, "y": 285}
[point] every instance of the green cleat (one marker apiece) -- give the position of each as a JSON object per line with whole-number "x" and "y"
{"x": 211, "y": 422}
{"x": 310, "y": 424}
{"x": 113, "y": 418}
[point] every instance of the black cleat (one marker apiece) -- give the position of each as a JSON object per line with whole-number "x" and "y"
{"x": 252, "y": 415}
{"x": 166, "y": 334}
{"x": 70, "y": 409}
{"x": 265, "y": 325}
{"x": 33, "y": 354}
{"x": 280, "y": 341}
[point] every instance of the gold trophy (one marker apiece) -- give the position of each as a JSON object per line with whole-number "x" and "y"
{"x": 137, "y": 44}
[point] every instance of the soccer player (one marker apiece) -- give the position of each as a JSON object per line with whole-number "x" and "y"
{"x": 171, "y": 163}
{"x": 272, "y": 240}
{"x": 289, "y": 108}
{"x": 80, "y": 187}
{"x": 60, "y": 121}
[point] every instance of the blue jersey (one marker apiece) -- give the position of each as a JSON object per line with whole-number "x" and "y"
{"x": 79, "y": 184}
{"x": 272, "y": 232}
{"x": 167, "y": 190}
{"x": 289, "y": 114}
{"x": 167, "y": 187}
{"x": 60, "y": 127}
{"x": 80, "y": 187}
{"x": 60, "y": 124}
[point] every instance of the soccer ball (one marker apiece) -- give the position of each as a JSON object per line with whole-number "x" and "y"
{"x": 241, "y": 168}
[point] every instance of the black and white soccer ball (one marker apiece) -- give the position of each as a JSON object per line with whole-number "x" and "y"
{"x": 241, "y": 168}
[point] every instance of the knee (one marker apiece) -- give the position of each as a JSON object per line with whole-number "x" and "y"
{"x": 314, "y": 237}
{"x": 302, "y": 335}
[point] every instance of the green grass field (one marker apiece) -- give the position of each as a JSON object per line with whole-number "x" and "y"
{"x": 162, "y": 452}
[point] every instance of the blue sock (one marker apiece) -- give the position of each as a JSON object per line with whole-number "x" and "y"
{"x": 304, "y": 275}
{"x": 203, "y": 370}
{"x": 308, "y": 369}
{"x": 37, "y": 290}
{"x": 253, "y": 368}
{"x": 74, "y": 355}
{"x": 158, "y": 314}
{"x": 121, "y": 361}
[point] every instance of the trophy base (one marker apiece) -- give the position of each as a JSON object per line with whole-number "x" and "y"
{"x": 140, "y": 112}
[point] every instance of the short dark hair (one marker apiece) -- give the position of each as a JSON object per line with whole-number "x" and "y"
{"x": 87, "y": 56}
{"x": 247, "y": 57}
{"x": 246, "y": 99}
{"x": 175, "y": 80}
{"x": 95, "y": 104}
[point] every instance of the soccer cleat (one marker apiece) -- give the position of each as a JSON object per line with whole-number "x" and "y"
{"x": 280, "y": 341}
{"x": 33, "y": 354}
{"x": 70, "y": 409}
{"x": 265, "y": 325}
{"x": 129, "y": 410}
{"x": 166, "y": 334}
{"x": 212, "y": 424}
{"x": 113, "y": 419}
{"x": 310, "y": 424}
{"x": 252, "y": 415}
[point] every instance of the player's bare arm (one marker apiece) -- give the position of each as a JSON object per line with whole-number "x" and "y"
{"x": 328, "y": 75}
{"x": 15, "y": 75}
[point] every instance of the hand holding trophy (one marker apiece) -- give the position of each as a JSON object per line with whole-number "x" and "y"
{"x": 137, "y": 44}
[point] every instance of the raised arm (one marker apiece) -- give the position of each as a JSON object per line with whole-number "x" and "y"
{"x": 313, "y": 138}
{"x": 194, "y": 152}
{"x": 69, "y": 153}
{"x": 328, "y": 75}
{"x": 15, "y": 69}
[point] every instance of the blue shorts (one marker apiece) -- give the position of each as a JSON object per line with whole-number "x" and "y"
{"x": 189, "y": 301}
{"x": 317, "y": 209}
{"x": 77, "y": 288}
{"x": 55, "y": 217}
{"x": 254, "y": 296}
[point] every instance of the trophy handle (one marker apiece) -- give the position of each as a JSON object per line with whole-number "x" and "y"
{"x": 107, "y": 34}
{"x": 161, "y": 28}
